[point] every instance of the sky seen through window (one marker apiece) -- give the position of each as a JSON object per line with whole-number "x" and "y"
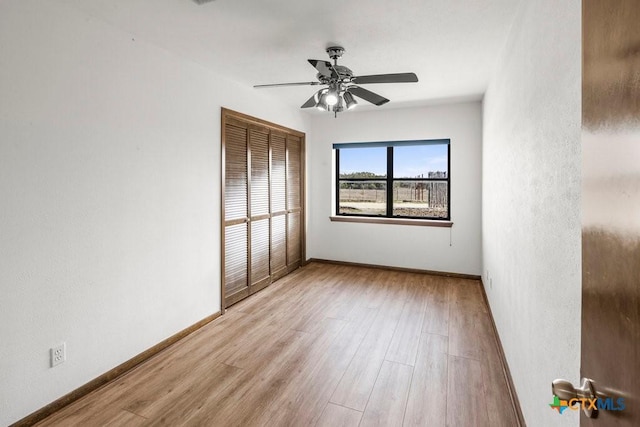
{"x": 409, "y": 161}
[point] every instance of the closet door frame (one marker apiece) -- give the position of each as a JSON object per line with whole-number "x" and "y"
{"x": 230, "y": 116}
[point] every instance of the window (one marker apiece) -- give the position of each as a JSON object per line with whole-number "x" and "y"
{"x": 401, "y": 179}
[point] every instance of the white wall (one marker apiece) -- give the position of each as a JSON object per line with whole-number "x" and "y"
{"x": 109, "y": 196}
{"x": 531, "y": 204}
{"x": 454, "y": 250}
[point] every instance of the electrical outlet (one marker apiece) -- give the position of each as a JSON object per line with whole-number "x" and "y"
{"x": 490, "y": 283}
{"x": 58, "y": 354}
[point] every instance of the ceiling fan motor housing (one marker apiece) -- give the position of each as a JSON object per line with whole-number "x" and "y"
{"x": 343, "y": 72}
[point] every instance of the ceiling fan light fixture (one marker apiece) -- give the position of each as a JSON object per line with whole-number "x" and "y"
{"x": 331, "y": 98}
{"x": 322, "y": 104}
{"x": 350, "y": 101}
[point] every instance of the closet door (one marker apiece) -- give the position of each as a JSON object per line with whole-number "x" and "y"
{"x": 235, "y": 214}
{"x": 259, "y": 216}
{"x": 294, "y": 196}
{"x": 278, "y": 205}
{"x": 263, "y": 212}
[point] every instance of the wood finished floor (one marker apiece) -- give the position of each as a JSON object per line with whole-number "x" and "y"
{"x": 327, "y": 345}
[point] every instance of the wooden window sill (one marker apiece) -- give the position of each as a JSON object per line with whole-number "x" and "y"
{"x": 397, "y": 221}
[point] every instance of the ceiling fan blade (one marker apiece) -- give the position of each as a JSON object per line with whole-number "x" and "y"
{"x": 324, "y": 67}
{"x": 367, "y": 95}
{"x": 386, "y": 78}
{"x": 311, "y": 102}
{"x": 289, "y": 84}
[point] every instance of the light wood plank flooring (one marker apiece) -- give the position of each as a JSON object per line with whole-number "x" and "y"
{"x": 328, "y": 345}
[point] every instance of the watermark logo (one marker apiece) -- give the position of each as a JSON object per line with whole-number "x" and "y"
{"x": 559, "y": 405}
{"x": 601, "y": 404}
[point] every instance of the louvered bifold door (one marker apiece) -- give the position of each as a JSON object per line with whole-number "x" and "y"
{"x": 278, "y": 206}
{"x": 294, "y": 195}
{"x": 259, "y": 213}
{"x": 236, "y": 219}
{"x": 263, "y": 206}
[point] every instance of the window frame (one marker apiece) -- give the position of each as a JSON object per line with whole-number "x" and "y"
{"x": 390, "y": 179}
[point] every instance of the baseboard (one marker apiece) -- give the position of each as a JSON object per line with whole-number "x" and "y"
{"x": 388, "y": 267}
{"x": 513, "y": 396}
{"x": 111, "y": 375}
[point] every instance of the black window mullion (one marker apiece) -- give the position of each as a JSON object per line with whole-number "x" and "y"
{"x": 389, "y": 182}
{"x": 412, "y": 179}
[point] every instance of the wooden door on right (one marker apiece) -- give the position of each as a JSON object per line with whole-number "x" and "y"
{"x": 611, "y": 208}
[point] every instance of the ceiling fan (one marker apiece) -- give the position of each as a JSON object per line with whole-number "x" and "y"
{"x": 342, "y": 85}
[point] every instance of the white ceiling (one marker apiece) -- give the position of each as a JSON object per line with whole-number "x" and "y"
{"x": 451, "y": 45}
